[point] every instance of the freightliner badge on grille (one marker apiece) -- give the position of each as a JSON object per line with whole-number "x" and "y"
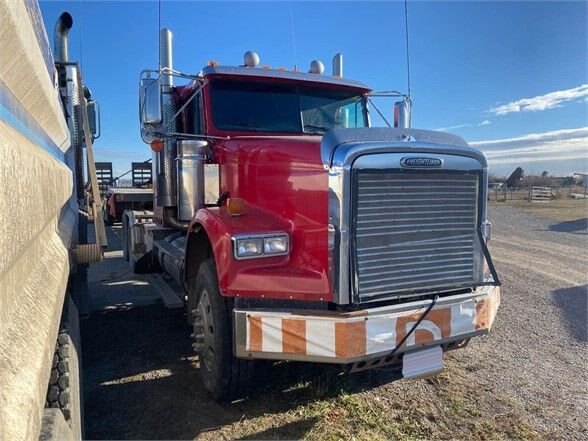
{"x": 421, "y": 162}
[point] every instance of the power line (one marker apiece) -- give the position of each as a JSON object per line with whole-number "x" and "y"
{"x": 407, "y": 45}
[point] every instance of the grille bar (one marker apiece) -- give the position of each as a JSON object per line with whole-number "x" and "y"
{"x": 414, "y": 231}
{"x": 392, "y": 264}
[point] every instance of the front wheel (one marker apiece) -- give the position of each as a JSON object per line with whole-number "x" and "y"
{"x": 224, "y": 376}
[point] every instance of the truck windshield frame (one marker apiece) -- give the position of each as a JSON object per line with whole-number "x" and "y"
{"x": 250, "y": 106}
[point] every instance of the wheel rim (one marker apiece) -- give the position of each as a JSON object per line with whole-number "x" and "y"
{"x": 205, "y": 309}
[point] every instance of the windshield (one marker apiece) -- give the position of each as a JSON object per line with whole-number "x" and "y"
{"x": 256, "y": 107}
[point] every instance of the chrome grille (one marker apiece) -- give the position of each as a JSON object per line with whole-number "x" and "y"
{"x": 414, "y": 232}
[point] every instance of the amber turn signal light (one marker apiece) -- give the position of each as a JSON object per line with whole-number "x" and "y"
{"x": 157, "y": 145}
{"x": 235, "y": 206}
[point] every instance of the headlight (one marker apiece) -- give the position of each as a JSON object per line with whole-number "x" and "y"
{"x": 275, "y": 245}
{"x": 247, "y": 247}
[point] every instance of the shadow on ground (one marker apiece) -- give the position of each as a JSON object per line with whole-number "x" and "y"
{"x": 574, "y": 304}
{"x": 578, "y": 226}
{"x": 141, "y": 381}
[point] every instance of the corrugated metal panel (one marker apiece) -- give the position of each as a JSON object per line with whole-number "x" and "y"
{"x": 414, "y": 231}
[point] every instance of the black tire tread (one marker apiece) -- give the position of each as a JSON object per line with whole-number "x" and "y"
{"x": 58, "y": 394}
{"x": 238, "y": 373}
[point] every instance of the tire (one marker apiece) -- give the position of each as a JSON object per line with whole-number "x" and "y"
{"x": 64, "y": 390}
{"x": 224, "y": 376}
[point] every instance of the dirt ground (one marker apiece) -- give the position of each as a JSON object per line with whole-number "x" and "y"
{"x": 526, "y": 380}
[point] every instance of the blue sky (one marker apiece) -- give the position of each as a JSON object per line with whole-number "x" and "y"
{"x": 510, "y": 77}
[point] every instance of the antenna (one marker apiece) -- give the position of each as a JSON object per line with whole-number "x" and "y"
{"x": 293, "y": 36}
{"x": 82, "y": 35}
{"x": 407, "y": 46}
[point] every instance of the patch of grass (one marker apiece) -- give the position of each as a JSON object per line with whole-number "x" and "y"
{"x": 559, "y": 209}
{"x": 513, "y": 427}
{"x": 460, "y": 407}
{"x": 358, "y": 417}
{"x": 330, "y": 407}
{"x": 508, "y": 400}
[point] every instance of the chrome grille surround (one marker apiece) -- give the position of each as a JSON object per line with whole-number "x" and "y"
{"x": 343, "y": 150}
{"x": 414, "y": 231}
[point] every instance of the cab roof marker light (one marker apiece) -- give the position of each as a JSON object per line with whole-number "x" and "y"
{"x": 316, "y": 67}
{"x": 250, "y": 59}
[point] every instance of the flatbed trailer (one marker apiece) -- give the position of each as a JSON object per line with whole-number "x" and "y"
{"x": 120, "y": 196}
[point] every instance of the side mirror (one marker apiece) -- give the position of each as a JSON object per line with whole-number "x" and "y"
{"x": 150, "y": 101}
{"x": 402, "y": 113}
{"x": 94, "y": 118}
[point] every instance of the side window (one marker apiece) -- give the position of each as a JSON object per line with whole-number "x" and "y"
{"x": 349, "y": 116}
{"x": 194, "y": 116}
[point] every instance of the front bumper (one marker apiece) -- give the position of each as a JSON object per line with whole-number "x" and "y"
{"x": 350, "y": 337}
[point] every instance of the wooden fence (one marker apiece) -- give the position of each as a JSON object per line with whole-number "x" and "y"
{"x": 539, "y": 194}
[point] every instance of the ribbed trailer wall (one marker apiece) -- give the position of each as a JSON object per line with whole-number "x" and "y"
{"x": 36, "y": 218}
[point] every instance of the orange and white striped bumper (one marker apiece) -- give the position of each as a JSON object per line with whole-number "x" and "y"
{"x": 334, "y": 337}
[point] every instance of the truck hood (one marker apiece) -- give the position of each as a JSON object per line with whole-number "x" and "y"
{"x": 283, "y": 174}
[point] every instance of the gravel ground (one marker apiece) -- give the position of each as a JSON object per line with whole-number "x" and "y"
{"x": 538, "y": 347}
{"x": 525, "y": 380}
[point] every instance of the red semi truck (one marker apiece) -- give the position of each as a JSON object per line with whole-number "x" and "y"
{"x": 299, "y": 232}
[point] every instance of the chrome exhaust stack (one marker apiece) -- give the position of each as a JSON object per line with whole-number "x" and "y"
{"x": 338, "y": 65}
{"x": 60, "y": 37}
{"x": 165, "y": 166}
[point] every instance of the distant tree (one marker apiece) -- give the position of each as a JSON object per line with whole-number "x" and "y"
{"x": 537, "y": 180}
{"x": 492, "y": 178}
{"x": 544, "y": 174}
{"x": 514, "y": 180}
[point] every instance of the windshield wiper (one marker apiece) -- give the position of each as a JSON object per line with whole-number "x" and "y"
{"x": 240, "y": 125}
{"x": 313, "y": 127}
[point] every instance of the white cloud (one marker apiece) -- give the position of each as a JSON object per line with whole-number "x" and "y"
{"x": 453, "y": 127}
{"x": 562, "y": 150}
{"x": 542, "y": 102}
{"x": 461, "y": 126}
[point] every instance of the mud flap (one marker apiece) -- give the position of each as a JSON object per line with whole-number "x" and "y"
{"x": 423, "y": 363}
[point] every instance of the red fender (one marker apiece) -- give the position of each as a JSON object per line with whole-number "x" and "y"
{"x": 281, "y": 277}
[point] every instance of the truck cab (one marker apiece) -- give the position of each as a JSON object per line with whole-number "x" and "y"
{"x": 299, "y": 232}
